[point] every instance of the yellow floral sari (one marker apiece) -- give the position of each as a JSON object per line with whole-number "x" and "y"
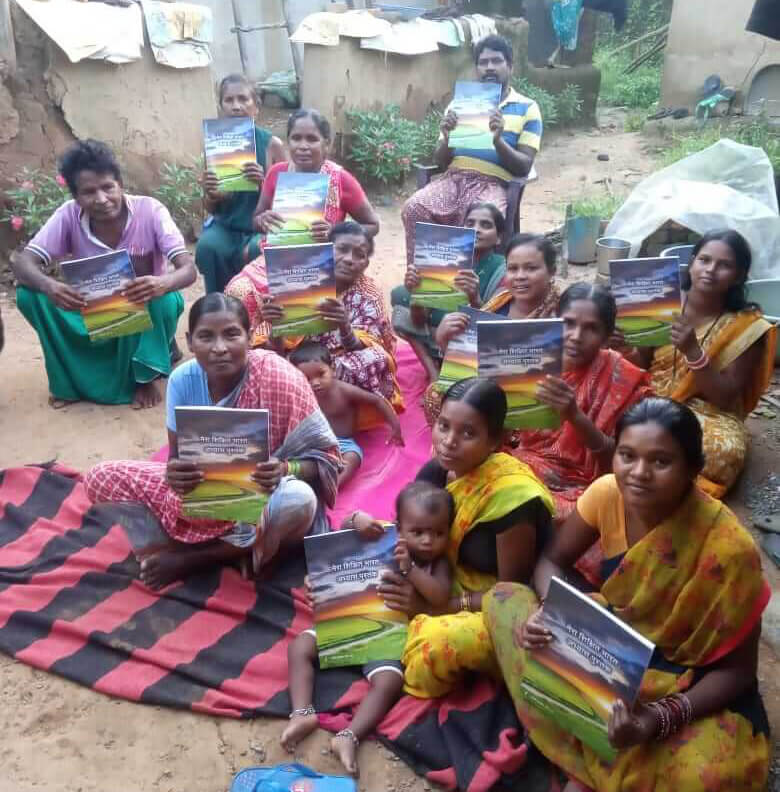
{"x": 725, "y": 435}
{"x": 439, "y": 648}
{"x": 694, "y": 587}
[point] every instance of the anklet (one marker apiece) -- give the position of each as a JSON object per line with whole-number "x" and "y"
{"x": 302, "y": 711}
{"x": 348, "y": 733}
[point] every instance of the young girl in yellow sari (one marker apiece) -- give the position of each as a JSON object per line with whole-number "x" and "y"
{"x": 502, "y": 519}
{"x": 721, "y": 357}
{"x": 681, "y": 570}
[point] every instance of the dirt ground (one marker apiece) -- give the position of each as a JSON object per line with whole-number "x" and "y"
{"x": 59, "y": 736}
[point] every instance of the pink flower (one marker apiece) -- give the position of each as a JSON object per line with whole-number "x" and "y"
{"x": 17, "y": 223}
{"x": 60, "y": 180}
{"x": 405, "y": 161}
{"x": 28, "y": 185}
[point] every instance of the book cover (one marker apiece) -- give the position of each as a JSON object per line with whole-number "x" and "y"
{"x": 440, "y": 252}
{"x": 300, "y": 199}
{"x": 300, "y": 277}
{"x": 593, "y": 660}
{"x": 226, "y": 443}
{"x": 460, "y": 362}
{"x": 99, "y": 279}
{"x": 474, "y": 102}
{"x": 352, "y": 623}
{"x": 229, "y": 144}
{"x": 518, "y": 354}
{"x": 647, "y": 293}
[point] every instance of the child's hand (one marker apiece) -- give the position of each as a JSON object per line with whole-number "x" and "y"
{"x": 396, "y": 437}
{"x": 402, "y": 557}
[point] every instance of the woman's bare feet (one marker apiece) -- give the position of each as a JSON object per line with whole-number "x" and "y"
{"x": 163, "y": 567}
{"x": 147, "y": 394}
{"x": 58, "y": 404}
{"x": 345, "y": 747}
{"x": 299, "y": 727}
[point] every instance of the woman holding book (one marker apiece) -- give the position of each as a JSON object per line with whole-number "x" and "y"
{"x": 530, "y": 293}
{"x": 100, "y": 219}
{"x": 681, "y": 570}
{"x": 502, "y": 520}
{"x": 721, "y": 357}
{"x": 226, "y": 244}
{"x": 300, "y": 476}
{"x": 362, "y": 344}
{"x": 308, "y": 140}
{"x": 418, "y": 325}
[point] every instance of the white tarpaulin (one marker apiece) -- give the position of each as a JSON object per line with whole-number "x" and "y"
{"x": 90, "y": 30}
{"x": 727, "y": 185}
{"x": 179, "y": 33}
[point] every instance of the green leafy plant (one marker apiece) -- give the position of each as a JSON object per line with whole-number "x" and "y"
{"x": 180, "y": 191}
{"x": 558, "y": 109}
{"x": 635, "y": 121}
{"x": 33, "y": 200}
{"x": 603, "y": 206}
{"x": 640, "y": 89}
{"x": 385, "y": 145}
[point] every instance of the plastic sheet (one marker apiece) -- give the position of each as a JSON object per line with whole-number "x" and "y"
{"x": 727, "y": 185}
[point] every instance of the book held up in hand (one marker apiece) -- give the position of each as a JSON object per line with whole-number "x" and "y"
{"x": 440, "y": 252}
{"x": 352, "y": 623}
{"x": 518, "y": 354}
{"x": 647, "y": 293}
{"x": 474, "y": 102}
{"x": 460, "y": 360}
{"x": 593, "y": 660}
{"x": 300, "y": 199}
{"x": 229, "y": 144}
{"x": 226, "y": 443}
{"x": 99, "y": 280}
{"x": 300, "y": 277}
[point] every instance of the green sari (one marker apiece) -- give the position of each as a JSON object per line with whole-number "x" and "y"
{"x": 219, "y": 253}
{"x": 107, "y": 371}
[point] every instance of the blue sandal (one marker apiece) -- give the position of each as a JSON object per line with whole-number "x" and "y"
{"x": 283, "y": 778}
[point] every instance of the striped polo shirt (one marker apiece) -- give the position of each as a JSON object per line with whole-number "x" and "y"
{"x": 522, "y": 127}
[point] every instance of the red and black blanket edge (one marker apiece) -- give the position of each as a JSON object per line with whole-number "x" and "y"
{"x": 71, "y": 603}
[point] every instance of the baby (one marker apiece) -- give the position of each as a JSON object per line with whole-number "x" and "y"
{"x": 423, "y": 517}
{"x": 339, "y": 401}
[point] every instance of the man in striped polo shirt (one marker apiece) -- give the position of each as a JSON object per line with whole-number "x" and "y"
{"x": 477, "y": 175}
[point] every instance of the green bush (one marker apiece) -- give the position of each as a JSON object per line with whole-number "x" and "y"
{"x": 603, "y": 206}
{"x": 556, "y": 109}
{"x": 181, "y": 193}
{"x": 35, "y": 198}
{"x": 641, "y": 89}
{"x": 385, "y": 145}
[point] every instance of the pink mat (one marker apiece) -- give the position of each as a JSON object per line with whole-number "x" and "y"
{"x": 385, "y": 468}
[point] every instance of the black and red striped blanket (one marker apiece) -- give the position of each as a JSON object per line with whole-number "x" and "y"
{"x": 71, "y": 603}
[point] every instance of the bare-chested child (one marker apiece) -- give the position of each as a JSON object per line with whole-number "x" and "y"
{"x": 424, "y": 514}
{"x": 339, "y": 401}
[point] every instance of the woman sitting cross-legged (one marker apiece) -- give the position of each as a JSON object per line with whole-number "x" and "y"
{"x": 416, "y": 324}
{"x": 681, "y": 570}
{"x": 226, "y": 244}
{"x": 300, "y": 475}
{"x": 308, "y": 139}
{"x": 502, "y": 519}
{"x": 721, "y": 357}
{"x": 530, "y": 293}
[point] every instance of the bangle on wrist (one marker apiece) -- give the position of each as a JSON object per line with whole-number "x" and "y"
{"x": 699, "y": 363}
{"x": 293, "y": 468}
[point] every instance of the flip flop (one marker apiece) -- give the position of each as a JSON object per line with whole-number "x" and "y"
{"x": 662, "y": 113}
{"x": 58, "y": 404}
{"x": 680, "y": 112}
{"x": 768, "y": 522}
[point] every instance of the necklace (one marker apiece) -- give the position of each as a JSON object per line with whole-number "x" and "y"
{"x": 701, "y": 343}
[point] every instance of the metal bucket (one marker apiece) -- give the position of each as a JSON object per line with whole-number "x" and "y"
{"x": 581, "y": 236}
{"x": 608, "y": 249}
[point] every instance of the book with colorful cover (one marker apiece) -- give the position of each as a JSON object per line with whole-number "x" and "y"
{"x": 647, "y": 293}
{"x": 300, "y": 199}
{"x": 593, "y": 660}
{"x": 460, "y": 361}
{"x": 229, "y": 144}
{"x": 99, "y": 280}
{"x": 226, "y": 443}
{"x": 300, "y": 277}
{"x": 517, "y": 354}
{"x": 440, "y": 252}
{"x": 352, "y": 623}
{"x": 474, "y": 102}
